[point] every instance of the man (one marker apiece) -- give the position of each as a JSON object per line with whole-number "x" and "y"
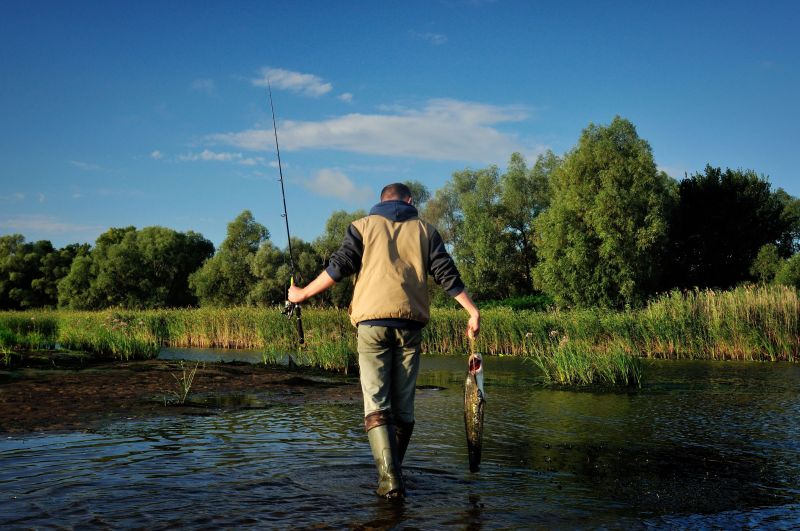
{"x": 392, "y": 252}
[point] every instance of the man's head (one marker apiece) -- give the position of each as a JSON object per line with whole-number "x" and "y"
{"x": 397, "y": 192}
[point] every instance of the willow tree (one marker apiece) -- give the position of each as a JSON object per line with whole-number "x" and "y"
{"x": 226, "y": 279}
{"x": 601, "y": 240}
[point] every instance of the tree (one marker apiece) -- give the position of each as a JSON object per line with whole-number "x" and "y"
{"x": 272, "y": 269}
{"x": 721, "y": 221}
{"x": 135, "y": 269}
{"x": 790, "y": 241}
{"x": 601, "y": 239}
{"x": 30, "y": 272}
{"x": 54, "y": 267}
{"x": 226, "y": 279}
{"x": 483, "y": 216}
{"x": 324, "y": 246}
{"x": 524, "y": 195}
{"x": 766, "y": 264}
{"x": 789, "y": 272}
{"x": 419, "y": 193}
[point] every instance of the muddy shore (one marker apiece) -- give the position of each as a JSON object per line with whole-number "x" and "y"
{"x": 38, "y": 399}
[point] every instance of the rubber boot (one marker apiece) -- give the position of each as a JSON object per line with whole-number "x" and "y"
{"x": 384, "y": 451}
{"x": 403, "y": 430}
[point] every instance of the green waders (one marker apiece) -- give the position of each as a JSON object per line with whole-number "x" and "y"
{"x": 383, "y": 442}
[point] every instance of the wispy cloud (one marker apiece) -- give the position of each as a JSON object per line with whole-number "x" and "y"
{"x": 86, "y": 166}
{"x": 224, "y": 156}
{"x": 333, "y": 183}
{"x": 345, "y": 97}
{"x": 437, "y": 39}
{"x": 206, "y": 86}
{"x": 44, "y": 224}
{"x": 306, "y": 84}
{"x": 156, "y": 155}
{"x": 13, "y": 198}
{"x": 443, "y": 129}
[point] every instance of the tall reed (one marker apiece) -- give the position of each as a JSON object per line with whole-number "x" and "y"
{"x": 749, "y": 323}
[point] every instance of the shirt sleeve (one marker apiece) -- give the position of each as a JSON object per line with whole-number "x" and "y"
{"x": 442, "y": 267}
{"x": 347, "y": 259}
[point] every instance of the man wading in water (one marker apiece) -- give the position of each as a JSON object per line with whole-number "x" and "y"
{"x": 392, "y": 252}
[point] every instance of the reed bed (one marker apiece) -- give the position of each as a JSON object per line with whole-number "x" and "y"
{"x": 566, "y": 362}
{"x": 749, "y": 323}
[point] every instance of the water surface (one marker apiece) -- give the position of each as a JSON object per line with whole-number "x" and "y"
{"x": 702, "y": 445}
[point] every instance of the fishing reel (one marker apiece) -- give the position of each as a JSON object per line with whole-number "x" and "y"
{"x": 290, "y": 309}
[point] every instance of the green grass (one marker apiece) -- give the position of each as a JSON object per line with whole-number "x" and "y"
{"x": 582, "y": 363}
{"x": 752, "y": 323}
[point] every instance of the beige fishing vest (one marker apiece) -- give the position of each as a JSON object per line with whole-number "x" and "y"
{"x": 392, "y": 282}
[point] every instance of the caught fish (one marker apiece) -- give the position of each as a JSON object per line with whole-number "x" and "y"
{"x": 474, "y": 402}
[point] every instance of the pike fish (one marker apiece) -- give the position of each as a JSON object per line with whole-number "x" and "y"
{"x": 474, "y": 402}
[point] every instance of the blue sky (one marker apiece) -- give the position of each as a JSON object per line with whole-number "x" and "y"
{"x": 155, "y": 113}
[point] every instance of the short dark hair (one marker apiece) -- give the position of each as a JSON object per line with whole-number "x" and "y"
{"x": 395, "y": 191}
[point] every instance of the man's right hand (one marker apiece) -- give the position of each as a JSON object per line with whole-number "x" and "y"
{"x": 296, "y": 294}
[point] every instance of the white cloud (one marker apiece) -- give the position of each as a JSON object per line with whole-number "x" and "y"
{"x": 44, "y": 224}
{"x": 13, "y": 198}
{"x": 206, "y": 86}
{"x": 208, "y": 155}
{"x": 41, "y": 197}
{"x": 437, "y": 39}
{"x": 333, "y": 183}
{"x": 85, "y": 165}
{"x": 346, "y": 97}
{"x": 444, "y": 129}
{"x": 156, "y": 154}
{"x": 306, "y": 84}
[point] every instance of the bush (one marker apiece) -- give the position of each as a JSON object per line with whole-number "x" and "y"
{"x": 789, "y": 272}
{"x": 539, "y": 302}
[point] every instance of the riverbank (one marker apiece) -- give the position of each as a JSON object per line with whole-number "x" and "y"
{"x": 36, "y": 399}
{"x": 749, "y": 323}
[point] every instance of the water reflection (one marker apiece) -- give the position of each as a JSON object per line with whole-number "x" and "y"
{"x": 703, "y": 445}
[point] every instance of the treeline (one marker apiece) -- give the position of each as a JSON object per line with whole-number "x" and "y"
{"x": 600, "y": 226}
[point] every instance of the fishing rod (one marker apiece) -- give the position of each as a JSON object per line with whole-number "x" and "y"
{"x": 290, "y": 309}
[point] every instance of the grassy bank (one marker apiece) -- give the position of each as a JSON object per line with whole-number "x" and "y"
{"x": 744, "y": 324}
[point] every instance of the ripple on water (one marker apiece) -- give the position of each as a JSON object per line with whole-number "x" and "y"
{"x": 678, "y": 454}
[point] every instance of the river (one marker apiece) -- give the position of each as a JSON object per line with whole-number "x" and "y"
{"x": 702, "y": 445}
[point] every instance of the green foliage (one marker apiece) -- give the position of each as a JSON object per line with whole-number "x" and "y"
{"x": 539, "y": 302}
{"x": 721, "y": 221}
{"x": 419, "y": 193}
{"x": 789, "y": 242}
{"x": 524, "y": 195}
{"x": 135, "y": 269}
{"x": 30, "y": 272}
{"x": 227, "y": 279}
{"x": 566, "y": 362}
{"x": 600, "y": 240}
{"x": 271, "y": 268}
{"x": 766, "y": 264}
{"x": 789, "y": 272}
{"x": 481, "y": 237}
{"x": 335, "y": 228}
{"x": 483, "y": 215}
{"x": 747, "y": 323}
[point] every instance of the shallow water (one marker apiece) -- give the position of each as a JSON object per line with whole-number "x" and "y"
{"x": 702, "y": 445}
